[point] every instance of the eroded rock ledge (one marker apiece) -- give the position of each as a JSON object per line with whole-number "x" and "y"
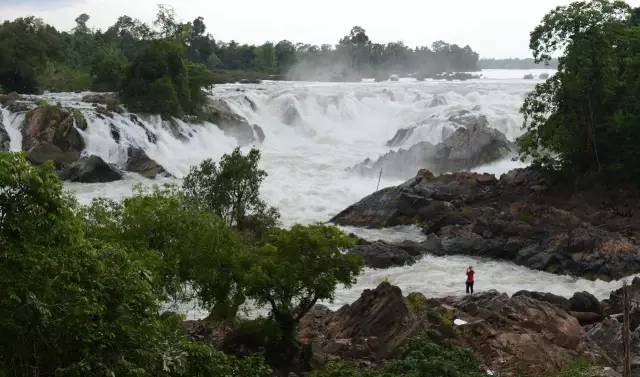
{"x": 522, "y": 217}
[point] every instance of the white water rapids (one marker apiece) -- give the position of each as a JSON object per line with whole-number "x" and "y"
{"x": 339, "y": 125}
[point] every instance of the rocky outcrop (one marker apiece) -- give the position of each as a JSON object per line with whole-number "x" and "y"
{"x": 509, "y": 335}
{"x": 582, "y": 305}
{"x": 217, "y": 111}
{"x": 15, "y": 103}
{"x": 371, "y": 329}
{"x": 381, "y": 254}
{"x": 521, "y": 334}
{"x": 50, "y": 133}
{"x": 471, "y": 145}
{"x": 91, "y": 169}
{"x": 523, "y": 217}
{"x": 139, "y": 162}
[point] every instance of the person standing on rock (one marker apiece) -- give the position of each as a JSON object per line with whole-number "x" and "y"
{"x": 470, "y": 279}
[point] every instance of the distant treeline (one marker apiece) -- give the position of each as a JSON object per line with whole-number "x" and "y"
{"x": 515, "y": 63}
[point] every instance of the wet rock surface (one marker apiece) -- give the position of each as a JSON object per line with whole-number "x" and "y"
{"x": 91, "y": 169}
{"x": 233, "y": 125}
{"x": 50, "y": 133}
{"x": 139, "y": 162}
{"x": 381, "y": 254}
{"x": 474, "y": 143}
{"x": 522, "y": 217}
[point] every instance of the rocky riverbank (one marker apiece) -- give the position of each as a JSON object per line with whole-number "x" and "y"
{"x": 580, "y": 228}
{"x": 530, "y": 332}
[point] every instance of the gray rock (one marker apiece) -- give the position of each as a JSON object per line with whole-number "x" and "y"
{"x": 91, "y": 169}
{"x": 471, "y": 145}
{"x": 139, "y": 162}
{"x": 383, "y": 255}
{"x": 217, "y": 111}
{"x": 584, "y": 302}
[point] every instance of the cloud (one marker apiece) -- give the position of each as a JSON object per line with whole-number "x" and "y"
{"x": 38, "y": 4}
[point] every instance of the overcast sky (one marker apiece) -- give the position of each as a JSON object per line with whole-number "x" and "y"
{"x": 494, "y": 28}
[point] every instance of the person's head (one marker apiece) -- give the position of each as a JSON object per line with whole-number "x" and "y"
{"x": 470, "y": 268}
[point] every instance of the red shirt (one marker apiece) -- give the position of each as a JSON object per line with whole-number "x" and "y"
{"x": 470, "y": 276}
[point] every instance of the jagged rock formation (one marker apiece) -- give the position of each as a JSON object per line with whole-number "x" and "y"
{"x": 474, "y": 143}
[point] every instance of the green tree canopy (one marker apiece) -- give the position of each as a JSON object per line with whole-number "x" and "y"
{"x": 585, "y": 117}
{"x": 231, "y": 190}
{"x": 26, "y": 45}
{"x": 297, "y": 268}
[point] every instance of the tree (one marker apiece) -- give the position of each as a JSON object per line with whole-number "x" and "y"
{"x": 285, "y": 55}
{"x": 208, "y": 264}
{"x": 160, "y": 80}
{"x": 108, "y": 69}
{"x": 67, "y": 306}
{"x": 584, "y": 118}
{"x": 265, "y": 57}
{"x": 81, "y": 24}
{"x": 26, "y": 47}
{"x": 295, "y": 269}
{"x": 166, "y": 21}
{"x": 231, "y": 190}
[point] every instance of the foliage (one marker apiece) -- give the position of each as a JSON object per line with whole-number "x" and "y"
{"x": 160, "y": 79}
{"x": 34, "y": 56}
{"x": 203, "y": 361}
{"x": 585, "y": 117}
{"x": 207, "y": 264}
{"x": 26, "y": 45}
{"x": 296, "y": 269}
{"x": 422, "y": 358}
{"x": 231, "y": 190}
{"x": 578, "y": 368}
{"x": 108, "y": 69}
{"x": 67, "y": 305}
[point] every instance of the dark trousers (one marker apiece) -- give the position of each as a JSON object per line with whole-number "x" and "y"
{"x": 469, "y": 287}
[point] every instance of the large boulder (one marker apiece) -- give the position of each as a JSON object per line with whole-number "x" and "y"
{"x": 520, "y": 334}
{"x": 371, "y": 329}
{"x": 91, "y": 169}
{"x": 584, "y": 302}
{"x": 139, "y": 162}
{"x": 50, "y": 133}
{"x": 471, "y": 145}
{"x": 559, "y": 301}
{"x": 217, "y": 111}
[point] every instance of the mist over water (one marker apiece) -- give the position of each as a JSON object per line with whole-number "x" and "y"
{"x": 313, "y": 132}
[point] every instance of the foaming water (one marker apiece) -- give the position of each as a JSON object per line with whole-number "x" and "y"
{"x": 313, "y": 132}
